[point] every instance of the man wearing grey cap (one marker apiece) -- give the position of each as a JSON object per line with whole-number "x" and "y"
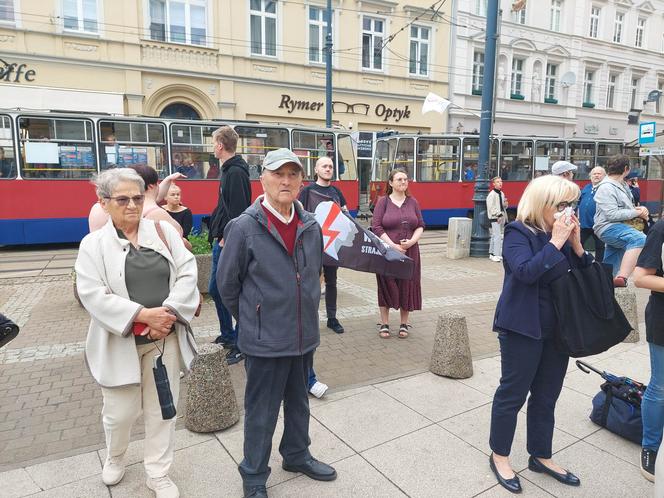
{"x": 269, "y": 279}
{"x": 563, "y": 168}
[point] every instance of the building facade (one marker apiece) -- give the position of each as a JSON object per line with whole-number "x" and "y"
{"x": 565, "y": 68}
{"x": 220, "y": 59}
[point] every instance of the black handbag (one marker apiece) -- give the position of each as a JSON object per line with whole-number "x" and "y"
{"x": 8, "y": 330}
{"x": 590, "y": 319}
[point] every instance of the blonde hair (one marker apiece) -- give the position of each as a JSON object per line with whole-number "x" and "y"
{"x": 541, "y": 193}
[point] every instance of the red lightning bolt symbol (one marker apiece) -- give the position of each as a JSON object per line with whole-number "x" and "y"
{"x": 331, "y": 216}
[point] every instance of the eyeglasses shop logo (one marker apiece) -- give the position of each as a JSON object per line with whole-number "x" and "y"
{"x": 15, "y": 72}
{"x": 338, "y": 107}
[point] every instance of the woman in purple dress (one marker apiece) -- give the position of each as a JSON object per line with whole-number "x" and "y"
{"x": 398, "y": 221}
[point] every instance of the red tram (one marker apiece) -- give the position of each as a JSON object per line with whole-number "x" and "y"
{"x": 47, "y": 160}
{"x": 443, "y": 168}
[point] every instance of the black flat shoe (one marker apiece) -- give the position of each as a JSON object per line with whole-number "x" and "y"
{"x": 567, "y": 478}
{"x": 313, "y": 469}
{"x": 254, "y": 491}
{"x": 512, "y": 485}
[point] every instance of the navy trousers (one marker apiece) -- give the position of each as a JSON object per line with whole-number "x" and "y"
{"x": 269, "y": 381}
{"x": 528, "y": 365}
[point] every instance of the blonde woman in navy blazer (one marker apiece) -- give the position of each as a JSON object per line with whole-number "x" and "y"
{"x": 540, "y": 246}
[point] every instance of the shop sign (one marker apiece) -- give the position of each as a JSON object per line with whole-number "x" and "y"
{"x": 395, "y": 114}
{"x": 16, "y": 72}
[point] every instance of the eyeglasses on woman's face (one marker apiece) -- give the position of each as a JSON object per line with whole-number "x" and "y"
{"x": 123, "y": 200}
{"x": 563, "y": 205}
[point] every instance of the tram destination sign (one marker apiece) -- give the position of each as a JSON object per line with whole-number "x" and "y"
{"x": 15, "y": 73}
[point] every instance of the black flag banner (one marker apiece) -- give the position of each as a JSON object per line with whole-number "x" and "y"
{"x": 346, "y": 243}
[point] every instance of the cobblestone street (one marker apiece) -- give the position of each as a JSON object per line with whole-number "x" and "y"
{"x": 50, "y": 406}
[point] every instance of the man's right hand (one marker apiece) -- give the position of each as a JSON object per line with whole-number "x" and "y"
{"x": 221, "y": 242}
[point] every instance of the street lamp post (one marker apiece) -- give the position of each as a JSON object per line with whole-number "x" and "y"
{"x": 479, "y": 242}
{"x": 328, "y": 67}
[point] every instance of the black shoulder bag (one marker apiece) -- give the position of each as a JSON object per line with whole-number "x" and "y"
{"x": 590, "y": 319}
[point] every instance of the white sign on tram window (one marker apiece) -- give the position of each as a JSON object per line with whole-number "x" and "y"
{"x": 541, "y": 163}
{"x": 41, "y": 153}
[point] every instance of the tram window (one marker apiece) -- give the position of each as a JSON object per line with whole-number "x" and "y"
{"x": 405, "y": 157}
{"x": 129, "y": 143}
{"x": 471, "y": 159}
{"x": 438, "y": 160}
{"x": 384, "y": 159}
{"x": 516, "y": 160}
{"x": 606, "y": 151}
{"x": 310, "y": 145}
{"x": 546, "y": 154}
{"x": 57, "y": 148}
{"x": 255, "y": 142}
{"x": 655, "y": 168}
{"x": 582, "y": 155}
{"x": 644, "y": 166}
{"x": 7, "y": 159}
{"x": 192, "y": 151}
{"x": 346, "y": 158}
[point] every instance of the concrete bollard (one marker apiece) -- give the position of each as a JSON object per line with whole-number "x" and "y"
{"x": 451, "y": 349}
{"x": 204, "y": 264}
{"x": 211, "y": 403}
{"x": 626, "y": 298}
{"x": 459, "y": 231}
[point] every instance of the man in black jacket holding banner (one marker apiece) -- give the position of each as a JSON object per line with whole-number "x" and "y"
{"x": 234, "y": 198}
{"x": 323, "y": 185}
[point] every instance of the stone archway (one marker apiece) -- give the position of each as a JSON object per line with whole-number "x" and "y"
{"x": 185, "y": 95}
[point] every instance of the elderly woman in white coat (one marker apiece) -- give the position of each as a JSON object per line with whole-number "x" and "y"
{"x": 138, "y": 282}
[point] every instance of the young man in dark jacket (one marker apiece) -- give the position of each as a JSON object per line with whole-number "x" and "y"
{"x": 269, "y": 278}
{"x": 234, "y": 198}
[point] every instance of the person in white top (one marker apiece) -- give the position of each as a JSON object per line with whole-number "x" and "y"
{"x": 496, "y": 208}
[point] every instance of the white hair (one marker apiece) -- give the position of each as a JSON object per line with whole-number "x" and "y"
{"x": 107, "y": 181}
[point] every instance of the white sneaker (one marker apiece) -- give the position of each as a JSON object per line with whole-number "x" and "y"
{"x": 318, "y": 389}
{"x": 114, "y": 470}
{"x": 495, "y": 258}
{"x": 163, "y": 487}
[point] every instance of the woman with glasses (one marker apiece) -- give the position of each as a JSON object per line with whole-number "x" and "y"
{"x": 540, "y": 246}
{"x": 397, "y": 220}
{"x": 138, "y": 282}
{"x": 155, "y": 194}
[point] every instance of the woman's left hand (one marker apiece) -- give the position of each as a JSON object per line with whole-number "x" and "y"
{"x": 407, "y": 243}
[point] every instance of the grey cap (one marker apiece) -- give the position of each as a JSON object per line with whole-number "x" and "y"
{"x": 275, "y": 159}
{"x": 560, "y": 167}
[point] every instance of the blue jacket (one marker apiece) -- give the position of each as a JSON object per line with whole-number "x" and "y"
{"x": 531, "y": 263}
{"x": 587, "y": 206}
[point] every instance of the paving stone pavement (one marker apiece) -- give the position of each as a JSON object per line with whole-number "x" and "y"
{"x": 50, "y": 406}
{"x": 419, "y": 436}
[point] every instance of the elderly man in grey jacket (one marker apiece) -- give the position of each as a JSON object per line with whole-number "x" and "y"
{"x": 269, "y": 279}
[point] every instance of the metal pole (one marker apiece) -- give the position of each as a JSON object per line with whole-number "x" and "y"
{"x": 479, "y": 242}
{"x": 328, "y": 67}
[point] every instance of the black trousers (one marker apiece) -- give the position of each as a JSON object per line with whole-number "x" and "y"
{"x": 588, "y": 233}
{"x": 330, "y": 274}
{"x": 269, "y": 381}
{"x": 528, "y": 365}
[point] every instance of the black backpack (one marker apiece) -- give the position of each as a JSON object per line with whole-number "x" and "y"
{"x": 8, "y": 330}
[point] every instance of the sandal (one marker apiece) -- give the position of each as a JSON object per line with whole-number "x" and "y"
{"x": 403, "y": 331}
{"x": 384, "y": 331}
